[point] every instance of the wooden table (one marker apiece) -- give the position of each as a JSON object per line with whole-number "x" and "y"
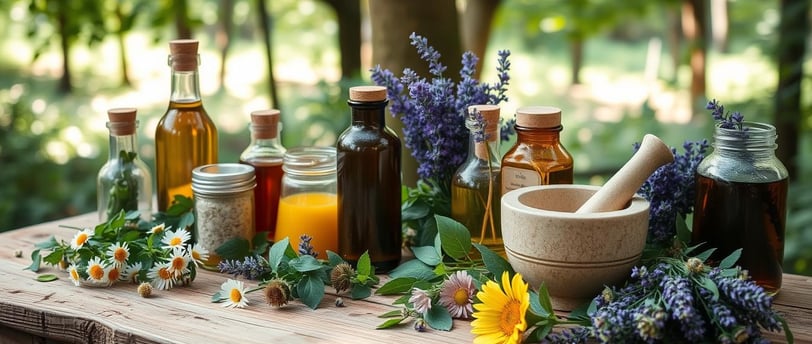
{"x": 58, "y": 311}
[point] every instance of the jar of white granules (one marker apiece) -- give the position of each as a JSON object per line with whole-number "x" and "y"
{"x": 224, "y": 206}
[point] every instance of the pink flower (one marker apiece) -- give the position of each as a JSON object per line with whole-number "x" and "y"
{"x": 457, "y": 293}
{"x": 421, "y": 300}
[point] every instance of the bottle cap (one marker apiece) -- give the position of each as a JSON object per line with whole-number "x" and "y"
{"x": 538, "y": 116}
{"x": 490, "y": 114}
{"x": 183, "y": 54}
{"x": 122, "y": 121}
{"x": 265, "y": 123}
{"x": 223, "y": 179}
{"x": 368, "y": 93}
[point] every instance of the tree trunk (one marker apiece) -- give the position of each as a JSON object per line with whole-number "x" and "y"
{"x": 477, "y": 20}
{"x": 577, "y": 55}
{"x": 122, "y": 47}
{"x": 792, "y": 29}
{"x": 392, "y": 23}
{"x": 223, "y": 36}
{"x": 65, "y": 85}
{"x": 674, "y": 35}
{"x": 719, "y": 25}
{"x": 349, "y": 36}
{"x": 694, "y": 25}
{"x": 182, "y": 19}
{"x": 265, "y": 28}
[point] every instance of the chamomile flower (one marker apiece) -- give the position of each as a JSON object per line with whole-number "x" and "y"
{"x": 73, "y": 272}
{"x": 80, "y": 238}
{"x": 160, "y": 276}
{"x": 457, "y": 294}
{"x": 96, "y": 272}
{"x": 178, "y": 262}
{"x": 199, "y": 254}
{"x": 157, "y": 229}
{"x": 118, "y": 254}
{"x": 234, "y": 293}
{"x": 132, "y": 272}
{"x": 113, "y": 273}
{"x": 175, "y": 238}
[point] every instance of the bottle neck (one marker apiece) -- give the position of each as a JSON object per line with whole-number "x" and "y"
{"x": 485, "y": 150}
{"x": 756, "y": 140}
{"x": 121, "y": 143}
{"x": 185, "y": 86}
{"x": 369, "y": 113}
{"x": 538, "y": 135}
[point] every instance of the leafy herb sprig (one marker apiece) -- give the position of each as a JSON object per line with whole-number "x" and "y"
{"x": 123, "y": 193}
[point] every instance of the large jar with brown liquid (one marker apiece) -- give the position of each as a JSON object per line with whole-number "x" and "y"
{"x": 538, "y": 157}
{"x": 185, "y": 137}
{"x": 368, "y": 182}
{"x": 741, "y": 201}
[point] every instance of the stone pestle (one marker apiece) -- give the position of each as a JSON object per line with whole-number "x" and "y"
{"x": 621, "y": 187}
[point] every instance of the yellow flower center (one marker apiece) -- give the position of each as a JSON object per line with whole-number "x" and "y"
{"x": 195, "y": 255}
{"x": 81, "y": 238}
{"x": 175, "y": 241}
{"x": 235, "y": 295}
{"x": 178, "y": 263}
{"x": 163, "y": 273}
{"x": 96, "y": 272}
{"x": 461, "y": 297}
{"x": 113, "y": 274}
{"x": 74, "y": 274}
{"x": 509, "y": 317}
{"x": 120, "y": 254}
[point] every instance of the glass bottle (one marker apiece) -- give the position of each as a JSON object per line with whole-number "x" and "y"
{"x": 185, "y": 137}
{"x": 124, "y": 182}
{"x": 368, "y": 182}
{"x": 309, "y": 204}
{"x": 741, "y": 201}
{"x": 265, "y": 154}
{"x": 537, "y": 157}
{"x": 224, "y": 206}
{"x": 475, "y": 200}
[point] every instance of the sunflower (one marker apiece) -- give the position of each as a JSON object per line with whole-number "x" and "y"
{"x": 500, "y": 315}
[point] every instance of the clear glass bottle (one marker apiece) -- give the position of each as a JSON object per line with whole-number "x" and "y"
{"x": 741, "y": 201}
{"x": 265, "y": 154}
{"x": 368, "y": 182}
{"x": 475, "y": 200}
{"x": 308, "y": 203}
{"x": 224, "y": 206}
{"x": 124, "y": 182}
{"x": 537, "y": 157}
{"x": 185, "y": 137}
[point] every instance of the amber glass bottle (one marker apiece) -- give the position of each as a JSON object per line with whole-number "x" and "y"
{"x": 368, "y": 182}
{"x": 265, "y": 153}
{"x": 475, "y": 200}
{"x": 185, "y": 137}
{"x": 538, "y": 157}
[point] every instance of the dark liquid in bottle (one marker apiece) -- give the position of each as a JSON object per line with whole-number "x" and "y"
{"x": 266, "y": 194}
{"x": 750, "y": 216}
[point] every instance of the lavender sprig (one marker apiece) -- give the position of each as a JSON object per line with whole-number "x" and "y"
{"x": 250, "y": 268}
{"x": 305, "y": 247}
{"x": 727, "y": 120}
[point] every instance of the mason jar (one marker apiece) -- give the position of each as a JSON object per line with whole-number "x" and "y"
{"x": 308, "y": 204}
{"x": 224, "y": 206}
{"x": 741, "y": 201}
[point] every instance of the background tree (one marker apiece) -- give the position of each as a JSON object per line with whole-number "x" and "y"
{"x": 126, "y": 13}
{"x": 694, "y": 27}
{"x": 265, "y": 27}
{"x": 348, "y": 14}
{"x": 476, "y": 26}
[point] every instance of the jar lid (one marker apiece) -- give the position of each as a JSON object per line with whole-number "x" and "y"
{"x": 312, "y": 161}
{"x": 122, "y": 121}
{"x": 183, "y": 54}
{"x": 538, "y": 116}
{"x": 265, "y": 123}
{"x": 223, "y": 179}
{"x": 368, "y": 93}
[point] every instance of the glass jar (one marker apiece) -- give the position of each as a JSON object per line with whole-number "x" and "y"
{"x": 265, "y": 154}
{"x": 308, "y": 203}
{"x": 741, "y": 201}
{"x": 224, "y": 206}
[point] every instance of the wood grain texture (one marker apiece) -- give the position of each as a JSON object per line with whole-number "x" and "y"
{"x": 36, "y": 312}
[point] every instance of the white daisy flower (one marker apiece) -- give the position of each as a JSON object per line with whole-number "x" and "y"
{"x": 73, "y": 272}
{"x": 118, "y": 254}
{"x": 132, "y": 272}
{"x": 96, "y": 272}
{"x": 234, "y": 292}
{"x": 80, "y": 238}
{"x": 175, "y": 239}
{"x": 199, "y": 254}
{"x": 178, "y": 262}
{"x": 160, "y": 277}
{"x": 113, "y": 273}
{"x": 157, "y": 229}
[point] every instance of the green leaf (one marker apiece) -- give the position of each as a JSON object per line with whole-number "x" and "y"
{"x": 427, "y": 254}
{"x": 36, "y": 259}
{"x": 130, "y": 236}
{"x": 730, "y": 260}
{"x": 217, "y": 298}
{"x": 544, "y": 299}
{"x": 708, "y": 284}
{"x": 495, "y": 264}
{"x": 536, "y": 308}
{"x": 454, "y": 237}
{"x": 186, "y": 220}
{"x": 705, "y": 254}
{"x": 683, "y": 232}
{"x": 360, "y": 291}
{"x": 417, "y": 210}
{"x": 236, "y": 248}
{"x": 397, "y": 286}
{"x": 787, "y": 332}
{"x": 305, "y": 263}
{"x": 260, "y": 243}
{"x": 413, "y": 268}
{"x": 390, "y": 323}
{"x": 54, "y": 257}
{"x": 392, "y": 314}
{"x": 438, "y": 318}
{"x": 364, "y": 266}
{"x": 311, "y": 290}
{"x": 334, "y": 258}
{"x": 440, "y": 269}
{"x": 47, "y": 278}
{"x": 47, "y": 244}
{"x": 538, "y": 333}
{"x": 279, "y": 251}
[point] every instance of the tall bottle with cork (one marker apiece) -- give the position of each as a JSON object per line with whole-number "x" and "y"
{"x": 265, "y": 153}
{"x": 368, "y": 182}
{"x": 186, "y": 136}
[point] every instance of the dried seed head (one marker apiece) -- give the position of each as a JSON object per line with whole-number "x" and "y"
{"x": 695, "y": 265}
{"x": 420, "y": 325}
{"x": 339, "y": 302}
{"x": 18, "y": 253}
{"x": 276, "y": 293}
{"x": 145, "y": 289}
{"x": 340, "y": 277}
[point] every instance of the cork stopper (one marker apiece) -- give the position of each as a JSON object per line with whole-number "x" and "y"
{"x": 490, "y": 114}
{"x": 183, "y": 54}
{"x": 368, "y": 93}
{"x": 265, "y": 124}
{"x": 538, "y": 116}
{"x": 122, "y": 121}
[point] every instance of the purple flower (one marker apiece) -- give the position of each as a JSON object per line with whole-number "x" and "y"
{"x": 305, "y": 247}
{"x": 679, "y": 301}
{"x": 724, "y": 119}
{"x": 250, "y": 268}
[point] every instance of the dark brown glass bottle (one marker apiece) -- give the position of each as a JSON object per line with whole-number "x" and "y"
{"x": 185, "y": 137}
{"x": 368, "y": 183}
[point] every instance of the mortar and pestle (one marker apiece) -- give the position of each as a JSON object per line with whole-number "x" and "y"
{"x": 576, "y": 239}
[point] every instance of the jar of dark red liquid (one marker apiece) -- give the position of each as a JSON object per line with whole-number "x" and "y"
{"x": 741, "y": 201}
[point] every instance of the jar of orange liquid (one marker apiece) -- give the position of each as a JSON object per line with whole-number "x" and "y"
{"x": 308, "y": 203}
